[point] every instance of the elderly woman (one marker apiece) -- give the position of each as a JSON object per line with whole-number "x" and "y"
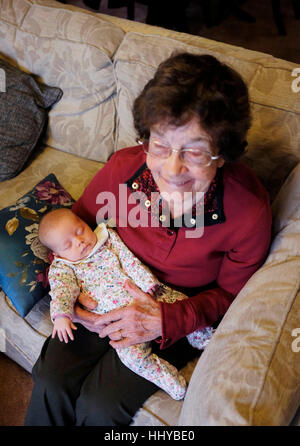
{"x": 191, "y": 119}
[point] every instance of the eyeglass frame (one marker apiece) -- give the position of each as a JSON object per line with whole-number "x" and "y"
{"x": 171, "y": 150}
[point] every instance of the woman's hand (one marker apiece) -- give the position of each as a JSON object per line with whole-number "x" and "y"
{"x": 136, "y": 323}
{"x": 91, "y": 321}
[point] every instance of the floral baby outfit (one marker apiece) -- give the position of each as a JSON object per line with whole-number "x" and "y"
{"x": 102, "y": 275}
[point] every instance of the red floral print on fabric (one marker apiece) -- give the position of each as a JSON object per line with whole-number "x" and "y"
{"x": 52, "y": 193}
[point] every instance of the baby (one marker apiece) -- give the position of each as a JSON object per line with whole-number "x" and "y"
{"x": 98, "y": 263}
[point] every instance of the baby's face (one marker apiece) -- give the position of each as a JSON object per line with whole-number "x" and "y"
{"x": 72, "y": 238}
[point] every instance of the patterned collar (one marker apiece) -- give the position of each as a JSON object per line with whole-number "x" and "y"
{"x": 144, "y": 186}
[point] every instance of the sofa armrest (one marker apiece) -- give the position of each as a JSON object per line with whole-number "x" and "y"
{"x": 250, "y": 372}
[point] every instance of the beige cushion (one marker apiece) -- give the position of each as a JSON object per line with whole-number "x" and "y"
{"x": 249, "y": 373}
{"x": 273, "y": 138}
{"x": 71, "y": 49}
{"x": 160, "y": 409}
{"x": 73, "y": 172}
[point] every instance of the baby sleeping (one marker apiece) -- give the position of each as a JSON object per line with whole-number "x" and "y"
{"x": 98, "y": 263}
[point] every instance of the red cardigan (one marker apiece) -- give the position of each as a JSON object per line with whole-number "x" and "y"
{"x": 211, "y": 269}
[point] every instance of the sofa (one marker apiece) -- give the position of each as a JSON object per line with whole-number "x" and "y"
{"x": 249, "y": 374}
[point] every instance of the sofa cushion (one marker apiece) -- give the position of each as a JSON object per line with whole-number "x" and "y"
{"x": 160, "y": 409}
{"x": 23, "y": 259}
{"x": 72, "y": 50}
{"x": 273, "y": 141}
{"x": 24, "y": 104}
{"x": 250, "y": 373}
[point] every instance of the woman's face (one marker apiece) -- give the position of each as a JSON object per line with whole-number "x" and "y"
{"x": 171, "y": 174}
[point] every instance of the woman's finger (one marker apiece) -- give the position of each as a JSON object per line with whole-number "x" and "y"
{"x": 91, "y": 321}
{"x": 112, "y": 316}
{"x": 123, "y": 343}
{"x": 87, "y": 301}
{"x": 115, "y": 336}
{"x": 85, "y": 315}
{"x": 135, "y": 291}
{"x": 128, "y": 338}
{"x": 112, "y": 329}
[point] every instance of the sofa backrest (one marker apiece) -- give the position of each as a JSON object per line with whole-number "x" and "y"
{"x": 102, "y": 62}
{"x": 274, "y": 147}
{"x": 73, "y": 50}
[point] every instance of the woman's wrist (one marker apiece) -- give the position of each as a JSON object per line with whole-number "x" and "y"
{"x": 178, "y": 319}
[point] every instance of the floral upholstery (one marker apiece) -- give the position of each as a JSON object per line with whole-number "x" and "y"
{"x": 258, "y": 379}
{"x": 273, "y": 153}
{"x": 72, "y": 51}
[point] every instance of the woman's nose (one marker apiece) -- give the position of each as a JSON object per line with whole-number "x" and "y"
{"x": 173, "y": 165}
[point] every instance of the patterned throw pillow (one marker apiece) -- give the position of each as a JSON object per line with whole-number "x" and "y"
{"x": 24, "y": 260}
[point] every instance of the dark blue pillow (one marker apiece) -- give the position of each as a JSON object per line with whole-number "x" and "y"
{"x": 23, "y": 259}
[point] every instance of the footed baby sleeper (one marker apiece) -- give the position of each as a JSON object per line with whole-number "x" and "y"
{"x": 102, "y": 275}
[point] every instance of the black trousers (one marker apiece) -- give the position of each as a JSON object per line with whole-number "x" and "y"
{"x": 84, "y": 383}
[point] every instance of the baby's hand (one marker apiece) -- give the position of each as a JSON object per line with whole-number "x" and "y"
{"x": 63, "y": 328}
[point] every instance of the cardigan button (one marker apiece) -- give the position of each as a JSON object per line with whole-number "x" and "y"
{"x": 169, "y": 232}
{"x": 147, "y": 203}
{"x": 135, "y": 185}
{"x": 162, "y": 218}
{"x": 192, "y": 221}
{"x": 214, "y": 216}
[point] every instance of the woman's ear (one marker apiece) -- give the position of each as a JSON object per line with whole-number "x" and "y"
{"x": 220, "y": 162}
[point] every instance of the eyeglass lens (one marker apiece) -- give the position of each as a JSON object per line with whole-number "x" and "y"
{"x": 188, "y": 156}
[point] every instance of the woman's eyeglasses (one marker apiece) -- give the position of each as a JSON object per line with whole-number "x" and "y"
{"x": 190, "y": 157}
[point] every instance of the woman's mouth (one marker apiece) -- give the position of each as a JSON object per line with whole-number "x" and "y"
{"x": 176, "y": 184}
